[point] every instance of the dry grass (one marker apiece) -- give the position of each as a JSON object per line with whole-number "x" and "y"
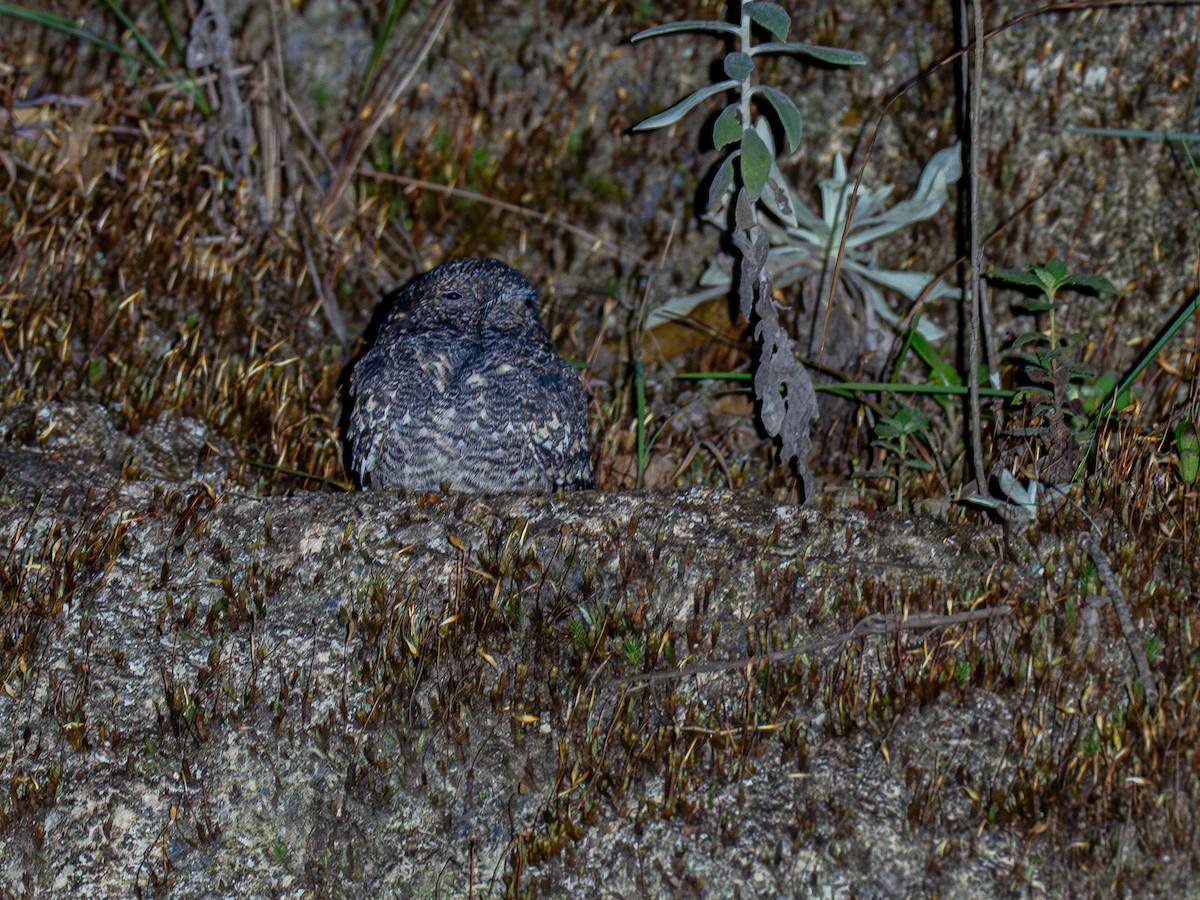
{"x": 240, "y": 300}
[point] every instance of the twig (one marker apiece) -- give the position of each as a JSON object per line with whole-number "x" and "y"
{"x": 974, "y": 301}
{"x": 1117, "y": 598}
{"x": 333, "y": 313}
{"x": 317, "y": 147}
{"x": 874, "y": 624}
{"x": 538, "y": 215}
{"x": 375, "y": 109}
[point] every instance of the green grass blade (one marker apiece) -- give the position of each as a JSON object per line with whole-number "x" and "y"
{"x": 386, "y": 27}
{"x": 152, "y": 60}
{"x": 63, "y": 25}
{"x": 177, "y": 43}
{"x": 156, "y": 61}
{"x": 1127, "y": 382}
{"x": 1135, "y": 133}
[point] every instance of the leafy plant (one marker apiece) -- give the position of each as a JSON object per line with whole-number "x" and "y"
{"x": 1187, "y": 443}
{"x": 787, "y": 402}
{"x": 1055, "y": 380}
{"x": 893, "y": 434}
{"x": 632, "y": 650}
{"x": 1044, "y": 283}
{"x": 810, "y": 245}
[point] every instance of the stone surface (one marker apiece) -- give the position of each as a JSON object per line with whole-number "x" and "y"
{"x": 190, "y": 600}
{"x": 379, "y": 694}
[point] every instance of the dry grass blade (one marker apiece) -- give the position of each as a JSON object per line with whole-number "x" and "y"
{"x": 383, "y": 94}
{"x": 594, "y": 240}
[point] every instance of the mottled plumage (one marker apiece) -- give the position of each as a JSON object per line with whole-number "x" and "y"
{"x": 463, "y": 388}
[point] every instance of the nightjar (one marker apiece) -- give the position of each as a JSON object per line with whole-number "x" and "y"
{"x": 463, "y": 389}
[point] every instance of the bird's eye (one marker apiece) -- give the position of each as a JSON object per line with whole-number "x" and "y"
{"x": 452, "y": 295}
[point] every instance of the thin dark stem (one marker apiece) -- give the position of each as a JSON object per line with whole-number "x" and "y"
{"x": 975, "y": 307}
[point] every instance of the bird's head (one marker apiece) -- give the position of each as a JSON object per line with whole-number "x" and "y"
{"x": 468, "y": 295}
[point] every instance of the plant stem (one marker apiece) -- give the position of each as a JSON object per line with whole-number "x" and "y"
{"x": 744, "y": 91}
{"x": 975, "y": 305}
{"x": 639, "y": 388}
{"x": 744, "y": 95}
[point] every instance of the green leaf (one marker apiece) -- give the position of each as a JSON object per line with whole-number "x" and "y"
{"x": 681, "y": 109}
{"x": 673, "y": 27}
{"x": 1097, "y": 284}
{"x": 1028, "y": 338}
{"x": 1077, "y": 368}
{"x": 1047, "y": 281}
{"x": 722, "y": 180}
{"x": 1039, "y": 360}
{"x": 1056, "y": 268}
{"x": 906, "y": 421}
{"x": 756, "y": 163}
{"x": 1101, "y": 388}
{"x": 1024, "y": 395}
{"x": 770, "y": 16}
{"x": 95, "y": 371}
{"x": 1151, "y": 352}
{"x": 789, "y": 115}
{"x": 728, "y": 127}
{"x": 942, "y": 371}
{"x": 67, "y": 26}
{"x": 831, "y": 55}
{"x": 1187, "y": 442}
{"x": 1015, "y": 276}
{"x": 738, "y": 65}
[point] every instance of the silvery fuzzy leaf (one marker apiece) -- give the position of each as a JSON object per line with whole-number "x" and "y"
{"x": 680, "y": 307}
{"x": 756, "y": 160}
{"x": 719, "y": 271}
{"x": 763, "y": 129}
{"x": 738, "y": 65}
{"x": 833, "y": 191}
{"x": 909, "y": 284}
{"x": 673, "y": 27}
{"x": 777, "y": 197}
{"x": 931, "y": 194}
{"x": 722, "y": 181}
{"x": 788, "y": 114}
{"x": 904, "y": 283}
{"x": 770, "y": 16}
{"x": 683, "y": 107}
{"x": 728, "y": 127}
{"x": 832, "y": 55}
